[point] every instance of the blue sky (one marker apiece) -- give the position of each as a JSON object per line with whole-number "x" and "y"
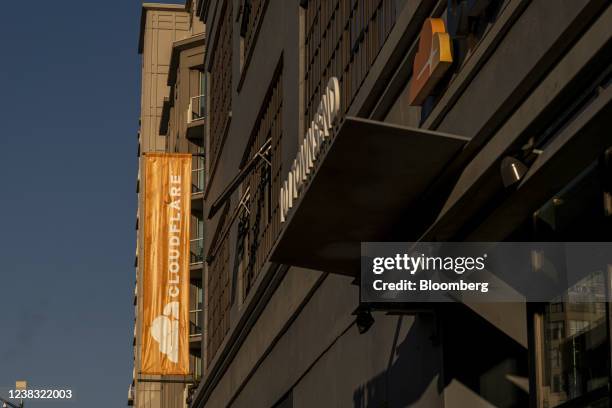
{"x": 69, "y": 107}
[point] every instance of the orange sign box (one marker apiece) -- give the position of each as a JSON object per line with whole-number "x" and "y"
{"x": 432, "y": 60}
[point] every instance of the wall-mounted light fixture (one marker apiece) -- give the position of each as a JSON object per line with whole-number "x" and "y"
{"x": 512, "y": 170}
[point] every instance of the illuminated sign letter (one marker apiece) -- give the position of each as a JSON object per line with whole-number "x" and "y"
{"x": 317, "y": 134}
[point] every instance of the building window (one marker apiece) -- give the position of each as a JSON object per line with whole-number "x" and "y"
{"x": 556, "y": 330}
{"x": 202, "y": 82}
{"x": 197, "y": 102}
{"x": 242, "y": 248}
{"x": 197, "y": 172}
{"x": 197, "y": 241}
{"x": 195, "y": 308}
{"x": 556, "y": 307}
{"x": 574, "y": 363}
{"x": 260, "y": 225}
{"x": 342, "y": 39}
{"x": 196, "y": 298}
{"x": 218, "y": 290}
{"x": 195, "y": 365}
{"x": 221, "y": 85}
{"x": 573, "y": 352}
{"x": 251, "y": 14}
{"x": 467, "y": 22}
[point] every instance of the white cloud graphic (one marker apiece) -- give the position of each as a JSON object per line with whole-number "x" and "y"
{"x": 165, "y": 330}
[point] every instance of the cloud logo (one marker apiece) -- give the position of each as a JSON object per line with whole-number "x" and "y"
{"x": 165, "y": 331}
{"x": 431, "y": 61}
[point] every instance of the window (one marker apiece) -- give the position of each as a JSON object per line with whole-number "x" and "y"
{"x": 556, "y": 384}
{"x": 571, "y": 333}
{"x": 221, "y": 85}
{"x": 574, "y": 350}
{"x": 202, "y": 81}
{"x": 556, "y": 307}
{"x": 260, "y": 225}
{"x": 574, "y": 362}
{"x": 197, "y": 241}
{"x": 242, "y": 249}
{"x": 197, "y": 173}
{"x": 468, "y": 21}
{"x": 195, "y": 308}
{"x": 556, "y": 330}
{"x": 342, "y": 39}
{"x": 218, "y": 290}
{"x": 252, "y": 13}
{"x": 197, "y": 103}
{"x": 195, "y": 364}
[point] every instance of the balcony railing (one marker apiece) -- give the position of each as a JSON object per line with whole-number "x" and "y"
{"x": 197, "y": 109}
{"x": 194, "y": 323}
{"x": 196, "y": 250}
{"x": 197, "y": 180}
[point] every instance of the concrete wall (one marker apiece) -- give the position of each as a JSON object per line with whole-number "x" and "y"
{"x": 326, "y": 362}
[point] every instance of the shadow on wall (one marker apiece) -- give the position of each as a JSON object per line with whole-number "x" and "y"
{"x": 482, "y": 359}
{"x": 480, "y": 365}
{"x": 413, "y": 366}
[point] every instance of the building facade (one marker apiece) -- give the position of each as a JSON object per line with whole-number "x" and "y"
{"x": 405, "y": 113}
{"x": 172, "y": 120}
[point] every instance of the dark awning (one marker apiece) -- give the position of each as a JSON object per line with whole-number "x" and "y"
{"x": 363, "y": 184}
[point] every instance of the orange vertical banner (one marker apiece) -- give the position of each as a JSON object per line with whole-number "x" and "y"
{"x": 167, "y": 209}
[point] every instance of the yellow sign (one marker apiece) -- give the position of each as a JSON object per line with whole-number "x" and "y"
{"x": 432, "y": 60}
{"x": 165, "y": 323}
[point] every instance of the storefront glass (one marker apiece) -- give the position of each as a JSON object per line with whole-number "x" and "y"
{"x": 572, "y": 331}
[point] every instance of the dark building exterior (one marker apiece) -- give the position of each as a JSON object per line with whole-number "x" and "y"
{"x": 399, "y": 157}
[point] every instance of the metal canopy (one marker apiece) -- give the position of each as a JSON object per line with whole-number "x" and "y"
{"x": 363, "y": 184}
